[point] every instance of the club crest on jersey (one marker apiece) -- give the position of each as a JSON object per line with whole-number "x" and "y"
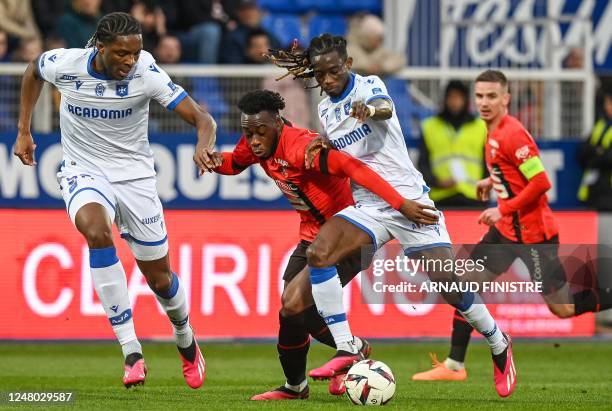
{"x": 100, "y": 89}
{"x": 122, "y": 89}
{"x": 337, "y": 113}
{"x": 347, "y": 108}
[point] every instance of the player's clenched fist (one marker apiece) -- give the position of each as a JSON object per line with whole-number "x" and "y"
{"x": 360, "y": 111}
{"x": 483, "y": 188}
{"x": 417, "y": 212}
{"x": 24, "y": 148}
{"x": 206, "y": 159}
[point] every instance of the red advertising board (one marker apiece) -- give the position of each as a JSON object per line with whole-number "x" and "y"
{"x": 231, "y": 263}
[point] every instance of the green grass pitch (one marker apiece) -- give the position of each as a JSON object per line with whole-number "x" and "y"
{"x": 569, "y": 375}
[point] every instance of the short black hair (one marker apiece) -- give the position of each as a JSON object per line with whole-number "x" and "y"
{"x": 257, "y": 101}
{"x": 113, "y": 25}
{"x": 256, "y": 33}
{"x": 493, "y": 76}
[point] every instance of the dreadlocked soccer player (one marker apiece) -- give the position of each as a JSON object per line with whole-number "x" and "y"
{"x": 107, "y": 172}
{"x": 317, "y": 194}
{"x": 358, "y": 118}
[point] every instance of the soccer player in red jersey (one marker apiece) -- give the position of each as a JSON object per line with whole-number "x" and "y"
{"x": 317, "y": 194}
{"x": 522, "y": 216}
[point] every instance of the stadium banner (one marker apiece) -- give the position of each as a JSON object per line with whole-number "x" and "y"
{"x": 180, "y": 187}
{"x": 515, "y": 43}
{"x": 231, "y": 263}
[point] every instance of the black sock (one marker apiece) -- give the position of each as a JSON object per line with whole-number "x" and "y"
{"x": 460, "y": 338}
{"x": 132, "y": 358}
{"x": 592, "y": 300}
{"x": 315, "y": 325}
{"x": 500, "y": 360}
{"x": 188, "y": 353}
{"x": 293, "y": 344}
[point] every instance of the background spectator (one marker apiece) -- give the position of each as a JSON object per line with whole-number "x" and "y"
{"x": 258, "y": 44}
{"x": 194, "y": 24}
{"x": 168, "y": 50}
{"x": 152, "y": 20}
{"x": 234, "y": 44}
{"x": 452, "y": 150}
{"x": 79, "y": 23}
{"x": 28, "y": 50}
{"x": 365, "y": 46}
{"x": 595, "y": 157}
{"x": 17, "y": 20}
{"x": 4, "y": 57}
{"x": 47, "y": 13}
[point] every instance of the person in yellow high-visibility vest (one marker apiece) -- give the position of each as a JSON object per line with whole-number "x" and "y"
{"x": 452, "y": 150}
{"x": 595, "y": 157}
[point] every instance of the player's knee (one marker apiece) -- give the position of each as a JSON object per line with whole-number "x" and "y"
{"x": 562, "y": 310}
{"x": 98, "y": 237}
{"x": 318, "y": 255}
{"x": 160, "y": 283}
{"x": 291, "y": 304}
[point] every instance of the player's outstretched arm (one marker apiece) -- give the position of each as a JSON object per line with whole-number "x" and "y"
{"x": 206, "y": 127}
{"x": 31, "y": 86}
{"x": 377, "y": 109}
{"x": 341, "y": 164}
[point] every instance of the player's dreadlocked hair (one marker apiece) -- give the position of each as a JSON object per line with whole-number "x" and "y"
{"x": 257, "y": 101}
{"x": 113, "y": 25}
{"x": 299, "y": 64}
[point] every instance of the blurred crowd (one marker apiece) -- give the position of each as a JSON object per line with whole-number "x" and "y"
{"x": 186, "y": 31}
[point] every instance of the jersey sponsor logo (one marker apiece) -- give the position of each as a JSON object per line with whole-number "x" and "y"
{"x": 522, "y": 153}
{"x": 100, "y": 89}
{"x": 68, "y": 77}
{"x": 172, "y": 86}
{"x": 151, "y": 220}
{"x": 90, "y": 112}
{"x": 347, "y": 107}
{"x": 370, "y": 81}
{"x": 121, "y": 89}
{"x": 352, "y": 137}
{"x": 152, "y": 67}
{"x": 376, "y": 90}
{"x": 78, "y": 84}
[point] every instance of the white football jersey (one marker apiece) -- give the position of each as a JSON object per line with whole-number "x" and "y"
{"x": 378, "y": 143}
{"x": 103, "y": 121}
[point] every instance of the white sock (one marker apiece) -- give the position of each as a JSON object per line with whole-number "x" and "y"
{"x": 174, "y": 302}
{"x": 110, "y": 283}
{"x": 480, "y": 318}
{"x": 453, "y": 365}
{"x": 358, "y": 343}
{"x": 327, "y": 294}
{"x": 297, "y": 388}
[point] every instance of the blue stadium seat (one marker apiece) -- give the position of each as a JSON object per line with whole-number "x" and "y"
{"x": 354, "y": 6}
{"x": 409, "y": 113}
{"x": 285, "y": 27}
{"x": 327, "y": 24}
{"x": 284, "y": 6}
{"x": 207, "y": 91}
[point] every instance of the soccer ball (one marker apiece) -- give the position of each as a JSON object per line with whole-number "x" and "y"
{"x": 370, "y": 382}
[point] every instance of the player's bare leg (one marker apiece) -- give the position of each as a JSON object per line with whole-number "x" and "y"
{"x": 299, "y": 318}
{"x": 171, "y": 295}
{"x": 94, "y": 223}
{"x": 478, "y": 316}
{"x": 336, "y": 240}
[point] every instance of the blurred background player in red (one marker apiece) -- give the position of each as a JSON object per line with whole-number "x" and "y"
{"x": 522, "y": 216}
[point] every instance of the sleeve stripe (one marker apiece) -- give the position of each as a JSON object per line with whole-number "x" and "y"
{"x": 38, "y": 72}
{"x": 531, "y": 167}
{"x": 177, "y": 100}
{"x": 377, "y": 96}
{"x": 323, "y": 161}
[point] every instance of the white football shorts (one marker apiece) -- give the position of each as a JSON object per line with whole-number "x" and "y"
{"x": 133, "y": 205}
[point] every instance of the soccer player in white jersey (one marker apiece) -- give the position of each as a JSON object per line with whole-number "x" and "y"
{"x": 358, "y": 118}
{"x": 107, "y": 172}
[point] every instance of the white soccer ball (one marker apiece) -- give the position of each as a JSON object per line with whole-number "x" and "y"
{"x": 370, "y": 382}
